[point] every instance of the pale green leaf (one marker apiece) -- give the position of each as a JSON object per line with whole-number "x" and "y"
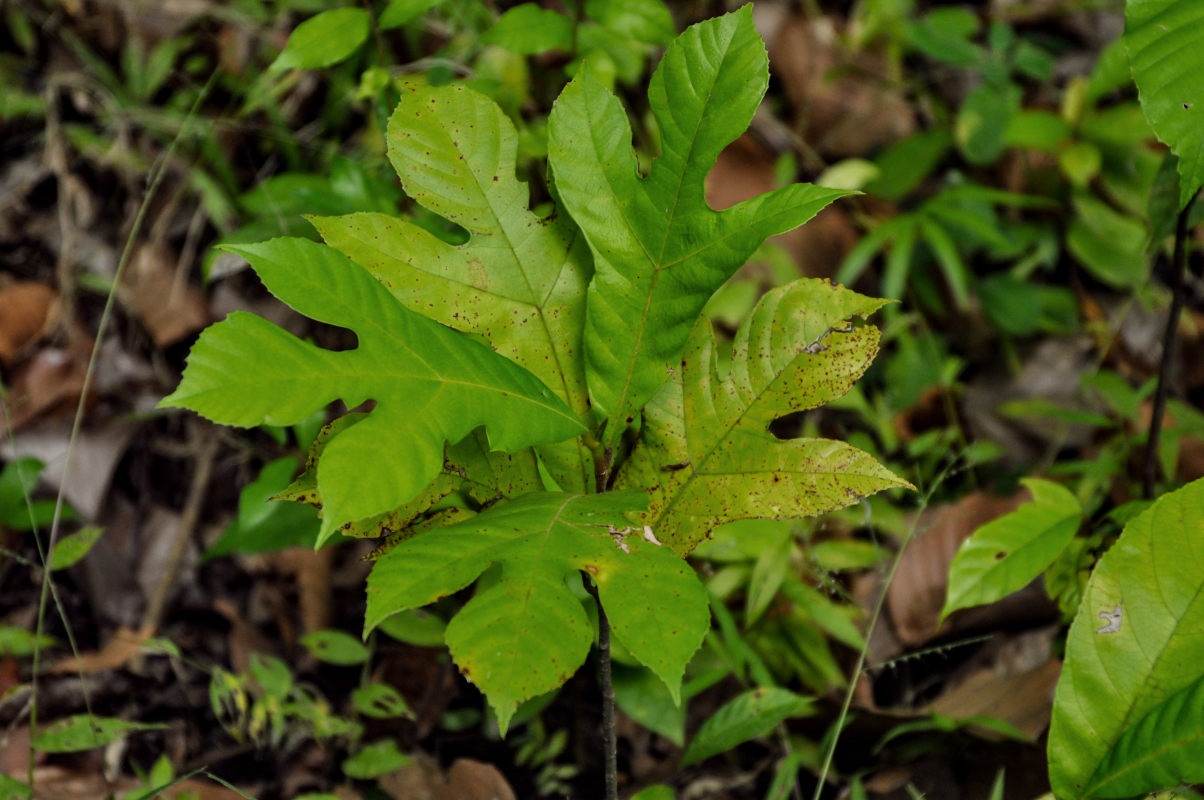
{"x": 519, "y": 280}
{"x": 70, "y": 549}
{"x": 431, "y": 384}
{"x": 1007, "y": 553}
{"x": 1127, "y": 714}
{"x": 706, "y": 455}
{"x": 752, "y": 714}
{"x": 659, "y": 250}
{"x": 399, "y": 12}
{"x": 335, "y": 647}
{"x": 324, "y": 39}
{"x": 375, "y": 759}
{"x": 84, "y": 732}
{"x": 18, "y": 642}
{"x": 380, "y": 701}
{"x": 1165, "y": 40}
{"x": 529, "y": 29}
{"x": 526, "y": 634}
{"x": 643, "y": 20}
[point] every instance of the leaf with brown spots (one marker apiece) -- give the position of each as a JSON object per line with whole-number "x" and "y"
{"x": 519, "y": 280}
{"x": 803, "y": 346}
{"x": 527, "y": 633}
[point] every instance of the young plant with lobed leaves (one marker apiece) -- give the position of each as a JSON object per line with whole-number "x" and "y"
{"x": 595, "y": 434}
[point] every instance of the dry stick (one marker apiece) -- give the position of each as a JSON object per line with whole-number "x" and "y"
{"x": 1169, "y": 340}
{"x": 192, "y": 511}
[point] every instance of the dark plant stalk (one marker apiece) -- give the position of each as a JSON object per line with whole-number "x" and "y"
{"x": 602, "y": 463}
{"x": 1169, "y": 340}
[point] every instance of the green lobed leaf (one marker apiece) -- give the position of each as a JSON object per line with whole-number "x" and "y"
{"x": 84, "y": 732}
{"x": 1007, "y": 553}
{"x": 519, "y": 280}
{"x": 659, "y": 250}
{"x": 752, "y": 714}
{"x": 324, "y": 39}
{"x": 1127, "y": 714}
{"x": 706, "y": 455}
{"x": 431, "y": 384}
{"x": 527, "y": 633}
{"x": 528, "y": 29}
{"x": 1165, "y": 40}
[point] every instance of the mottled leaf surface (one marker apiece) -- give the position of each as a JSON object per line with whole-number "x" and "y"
{"x": 1165, "y": 40}
{"x": 519, "y": 280}
{"x": 659, "y": 250}
{"x": 527, "y": 633}
{"x": 706, "y": 456}
{"x": 431, "y": 385}
{"x": 1128, "y": 711}
{"x": 1004, "y": 555}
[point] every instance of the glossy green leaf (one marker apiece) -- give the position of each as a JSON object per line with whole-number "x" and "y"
{"x": 526, "y": 634}
{"x": 529, "y": 29}
{"x": 335, "y": 647}
{"x": 1007, "y": 553}
{"x": 375, "y": 759}
{"x": 380, "y": 702}
{"x": 519, "y": 280}
{"x": 659, "y": 250}
{"x": 324, "y": 39}
{"x": 1165, "y": 40}
{"x": 70, "y": 549}
{"x": 752, "y": 714}
{"x": 84, "y": 732}
{"x": 431, "y": 384}
{"x": 706, "y": 455}
{"x": 1129, "y": 706}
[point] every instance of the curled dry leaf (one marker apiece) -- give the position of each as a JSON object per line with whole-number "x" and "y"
{"x": 47, "y": 384}
{"x": 26, "y": 310}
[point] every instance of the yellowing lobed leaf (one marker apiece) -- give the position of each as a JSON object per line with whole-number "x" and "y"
{"x": 659, "y": 250}
{"x": 519, "y": 280}
{"x": 706, "y": 455}
{"x": 1128, "y": 715}
{"x": 527, "y": 633}
{"x": 431, "y": 385}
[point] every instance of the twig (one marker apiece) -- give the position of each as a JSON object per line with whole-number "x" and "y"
{"x": 609, "y": 740}
{"x": 1169, "y": 340}
{"x": 188, "y": 519}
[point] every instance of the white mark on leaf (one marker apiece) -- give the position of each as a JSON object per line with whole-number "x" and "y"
{"x": 1113, "y": 618}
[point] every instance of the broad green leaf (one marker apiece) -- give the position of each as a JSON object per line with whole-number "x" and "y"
{"x": 982, "y": 122}
{"x": 11, "y": 788}
{"x": 375, "y": 759}
{"x": 519, "y": 280}
{"x": 529, "y": 29}
{"x": 1165, "y": 40}
{"x": 323, "y": 40}
{"x": 1128, "y": 711}
{"x": 659, "y": 250}
{"x": 431, "y": 384}
{"x": 416, "y": 627}
{"x": 706, "y": 455}
{"x": 70, "y": 549}
{"x": 752, "y": 714}
{"x": 263, "y": 526}
{"x": 526, "y": 634}
{"x": 1004, "y": 555}
{"x": 1108, "y": 243}
{"x": 335, "y": 647}
{"x": 84, "y": 732}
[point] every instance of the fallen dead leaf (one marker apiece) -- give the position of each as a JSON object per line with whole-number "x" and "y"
{"x": 47, "y": 384}
{"x": 466, "y": 780}
{"x": 27, "y": 309}
{"x": 121, "y": 647}
{"x": 169, "y": 308}
{"x": 916, "y": 595}
{"x": 1023, "y": 699}
{"x": 312, "y": 572}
